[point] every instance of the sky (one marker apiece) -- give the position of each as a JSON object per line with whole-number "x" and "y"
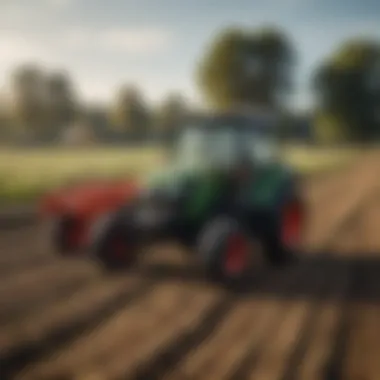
{"x": 156, "y": 44}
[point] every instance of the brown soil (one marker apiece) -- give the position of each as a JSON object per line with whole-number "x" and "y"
{"x": 319, "y": 319}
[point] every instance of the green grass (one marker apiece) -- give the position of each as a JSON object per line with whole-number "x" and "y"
{"x": 26, "y": 174}
{"x": 29, "y": 173}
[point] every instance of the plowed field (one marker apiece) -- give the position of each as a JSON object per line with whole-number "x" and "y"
{"x": 319, "y": 319}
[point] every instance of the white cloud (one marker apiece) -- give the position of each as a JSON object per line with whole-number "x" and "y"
{"x": 123, "y": 40}
{"x": 95, "y": 89}
{"x": 58, "y": 4}
{"x": 21, "y": 15}
{"x": 135, "y": 40}
{"x": 16, "y": 50}
{"x": 59, "y": 50}
{"x": 77, "y": 38}
{"x": 14, "y": 13}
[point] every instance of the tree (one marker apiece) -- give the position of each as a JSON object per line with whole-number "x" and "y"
{"x": 242, "y": 66}
{"x": 130, "y": 113}
{"x": 43, "y": 103}
{"x": 96, "y": 116}
{"x": 348, "y": 89}
{"x": 28, "y": 98}
{"x": 171, "y": 113}
{"x": 5, "y": 130}
{"x": 61, "y": 103}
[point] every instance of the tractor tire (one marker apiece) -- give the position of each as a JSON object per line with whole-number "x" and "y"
{"x": 289, "y": 229}
{"x": 115, "y": 246}
{"x": 282, "y": 226}
{"x": 65, "y": 234}
{"x": 231, "y": 254}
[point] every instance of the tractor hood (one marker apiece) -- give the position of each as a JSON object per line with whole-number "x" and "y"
{"x": 265, "y": 185}
{"x": 261, "y": 185}
{"x": 173, "y": 178}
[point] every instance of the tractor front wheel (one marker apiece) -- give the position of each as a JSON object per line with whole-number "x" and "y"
{"x": 66, "y": 235}
{"x": 115, "y": 247}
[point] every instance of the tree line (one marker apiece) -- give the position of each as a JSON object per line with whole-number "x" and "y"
{"x": 44, "y": 107}
{"x": 239, "y": 67}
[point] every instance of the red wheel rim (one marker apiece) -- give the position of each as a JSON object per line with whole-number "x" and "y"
{"x": 292, "y": 222}
{"x": 236, "y": 258}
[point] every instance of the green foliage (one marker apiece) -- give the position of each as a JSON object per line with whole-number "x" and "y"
{"x": 354, "y": 54}
{"x": 171, "y": 113}
{"x": 329, "y": 129}
{"x": 43, "y": 103}
{"x": 348, "y": 89}
{"x": 220, "y": 70}
{"x": 27, "y": 86}
{"x": 130, "y": 113}
{"x": 96, "y": 117}
{"x": 62, "y": 107}
{"x": 242, "y": 66}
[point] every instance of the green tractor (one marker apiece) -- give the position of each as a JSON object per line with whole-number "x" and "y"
{"x": 225, "y": 195}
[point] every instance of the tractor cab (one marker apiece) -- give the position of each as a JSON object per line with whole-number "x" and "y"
{"x": 226, "y": 142}
{"x": 234, "y": 145}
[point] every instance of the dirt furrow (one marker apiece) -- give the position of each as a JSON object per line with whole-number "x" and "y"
{"x": 20, "y": 244}
{"x": 357, "y": 234}
{"x": 206, "y": 308}
{"x": 276, "y": 356}
{"x": 311, "y": 359}
{"x": 370, "y": 226}
{"x": 362, "y": 351}
{"x": 36, "y": 326}
{"x": 61, "y": 319}
{"x": 35, "y": 283}
{"x": 13, "y": 236}
{"x": 27, "y": 244}
{"x": 324, "y": 188}
{"x": 16, "y": 264}
{"x": 218, "y": 356}
{"x": 362, "y": 354}
{"x": 340, "y": 355}
{"x": 127, "y": 327}
{"x": 17, "y": 311}
{"x": 60, "y": 325}
{"x": 328, "y": 217}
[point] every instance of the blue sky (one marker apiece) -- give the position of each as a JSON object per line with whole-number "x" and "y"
{"x": 156, "y": 43}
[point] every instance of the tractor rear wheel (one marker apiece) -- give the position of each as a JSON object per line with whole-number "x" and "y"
{"x": 290, "y": 231}
{"x": 230, "y": 253}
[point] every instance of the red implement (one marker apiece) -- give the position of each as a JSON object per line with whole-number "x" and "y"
{"x": 87, "y": 202}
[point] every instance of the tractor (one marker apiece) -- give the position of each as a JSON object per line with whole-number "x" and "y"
{"x": 225, "y": 195}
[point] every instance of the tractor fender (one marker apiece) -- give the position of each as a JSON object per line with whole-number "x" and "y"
{"x": 269, "y": 189}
